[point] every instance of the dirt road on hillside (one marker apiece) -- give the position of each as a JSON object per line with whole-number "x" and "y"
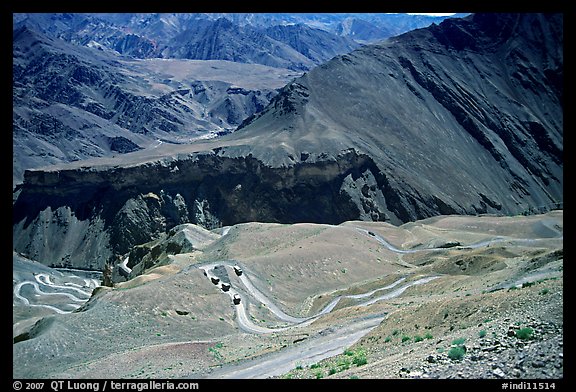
{"x": 325, "y": 344}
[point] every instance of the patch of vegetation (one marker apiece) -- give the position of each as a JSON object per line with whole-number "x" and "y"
{"x": 344, "y": 364}
{"x": 315, "y": 366}
{"x": 525, "y": 333}
{"x": 482, "y": 333}
{"x": 456, "y": 353}
{"x": 360, "y": 360}
{"x": 458, "y": 341}
{"x": 405, "y": 338}
{"x": 395, "y": 332}
{"x": 544, "y": 291}
{"x": 388, "y": 339}
{"x": 332, "y": 371}
{"x": 428, "y": 336}
{"x": 214, "y": 350}
{"x": 319, "y": 374}
{"x": 418, "y": 338}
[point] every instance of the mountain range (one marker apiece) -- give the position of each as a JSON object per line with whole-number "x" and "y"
{"x": 296, "y": 41}
{"x": 72, "y": 102}
{"x": 381, "y": 213}
{"x": 464, "y": 117}
{"x": 89, "y": 85}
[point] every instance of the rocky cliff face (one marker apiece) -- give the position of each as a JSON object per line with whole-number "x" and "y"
{"x": 118, "y": 208}
{"x": 460, "y": 118}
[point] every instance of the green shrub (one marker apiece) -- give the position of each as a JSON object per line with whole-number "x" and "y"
{"x": 360, "y": 360}
{"x": 428, "y": 336}
{"x": 344, "y": 364}
{"x": 319, "y": 374}
{"x": 459, "y": 341}
{"x": 405, "y": 338}
{"x": 388, "y": 339}
{"x": 214, "y": 350}
{"x": 418, "y": 338}
{"x": 524, "y": 333}
{"x": 332, "y": 371}
{"x": 315, "y": 366}
{"x": 456, "y": 353}
{"x": 482, "y": 333}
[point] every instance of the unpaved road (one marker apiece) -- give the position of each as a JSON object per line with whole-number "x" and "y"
{"x": 481, "y": 244}
{"x": 75, "y": 293}
{"x": 327, "y": 343}
{"x": 247, "y": 325}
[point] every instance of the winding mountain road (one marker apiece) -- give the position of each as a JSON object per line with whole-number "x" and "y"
{"x": 78, "y": 296}
{"x": 327, "y": 343}
{"x": 330, "y": 341}
{"x": 246, "y": 324}
{"x": 480, "y": 244}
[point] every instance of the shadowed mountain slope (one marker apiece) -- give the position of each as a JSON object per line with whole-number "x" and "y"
{"x": 464, "y": 117}
{"x": 461, "y": 118}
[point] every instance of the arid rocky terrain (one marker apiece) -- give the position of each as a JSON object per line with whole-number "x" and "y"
{"x": 215, "y": 197}
{"x": 408, "y": 295}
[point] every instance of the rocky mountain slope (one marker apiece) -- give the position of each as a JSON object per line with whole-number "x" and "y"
{"x": 461, "y": 118}
{"x": 72, "y": 102}
{"x": 194, "y": 36}
{"x": 296, "y": 41}
{"x": 359, "y": 299}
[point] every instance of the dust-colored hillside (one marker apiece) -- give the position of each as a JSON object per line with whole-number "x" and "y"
{"x": 360, "y": 299}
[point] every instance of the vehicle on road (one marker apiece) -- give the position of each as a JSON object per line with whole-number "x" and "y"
{"x": 236, "y": 299}
{"x": 237, "y": 270}
{"x": 225, "y": 286}
{"x": 215, "y": 280}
